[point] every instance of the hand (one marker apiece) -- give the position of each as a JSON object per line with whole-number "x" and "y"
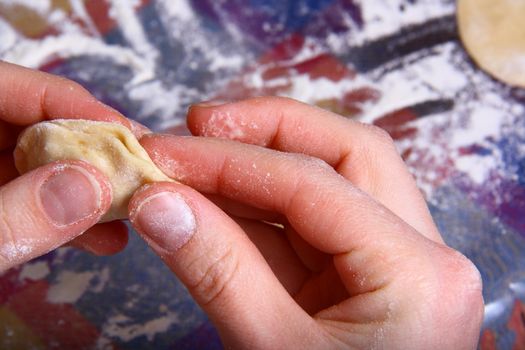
{"x": 52, "y": 205}
{"x": 318, "y": 238}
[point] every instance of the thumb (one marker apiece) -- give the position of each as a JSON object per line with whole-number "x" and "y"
{"x": 220, "y": 266}
{"x": 47, "y": 207}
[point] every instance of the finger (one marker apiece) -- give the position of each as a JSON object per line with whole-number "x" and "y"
{"x": 49, "y": 206}
{"x": 322, "y": 290}
{"x": 28, "y": 96}
{"x": 103, "y": 239}
{"x": 220, "y": 266}
{"x": 138, "y": 129}
{"x": 8, "y": 135}
{"x": 329, "y": 212}
{"x": 312, "y": 258}
{"x": 7, "y": 167}
{"x": 375, "y": 252}
{"x": 244, "y": 211}
{"x": 276, "y": 250}
{"x": 363, "y": 154}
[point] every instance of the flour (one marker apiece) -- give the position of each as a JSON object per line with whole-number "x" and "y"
{"x": 182, "y": 12}
{"x": 123, "y": 12}
{"x": 477, "y": 167}
{"x": 383, "y": 17}
{"x": 80, "y": 12}
{"x": 34, "y": 271}
{"x": 428, "y": 78}
{"x": 306, "y": 89}
{"x": 34, "y": 53}
{"x": 22, "y": 248}
{"x": 166, "y": 101}
{"x": 9, "y": 36}
{"x": 123, "y": 328}
{"x": 69, "y": 287}
{"x": 42, "y": 6}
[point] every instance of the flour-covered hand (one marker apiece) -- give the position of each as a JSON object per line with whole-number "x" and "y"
{"x": 296, "y": 228}
{"x": 53, "y": 204}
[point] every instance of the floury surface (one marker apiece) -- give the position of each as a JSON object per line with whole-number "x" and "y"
{"x": 396, "y": 63}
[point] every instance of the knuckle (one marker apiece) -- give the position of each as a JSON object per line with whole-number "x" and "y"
{"x": 468, "y": 278}
{"x": 312, "y": 165}
{"x": 461, "y": 285}
{"x": 214, "y": 279}
{"x": 380, "y": 135}
{"x": 450, "y": 293}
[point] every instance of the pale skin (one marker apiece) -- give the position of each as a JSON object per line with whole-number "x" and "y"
{"x": 292, "y": 227}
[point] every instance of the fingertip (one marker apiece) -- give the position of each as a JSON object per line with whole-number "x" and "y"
{"x": 245, "y": 121}
{"x": 215, "y": 118}
{"x": 71, "y": 193}
{"x": 197, "y": 116}
{"x": 106, "y": 189}
{"x": 164, "y": 216}
{"x": 145, "y": 193}
{"x": 49, "y": 206}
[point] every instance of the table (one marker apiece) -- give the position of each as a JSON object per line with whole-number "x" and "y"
{"x": 395, "y": 63}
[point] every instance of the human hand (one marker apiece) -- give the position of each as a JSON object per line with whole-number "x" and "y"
{"x": 52, "y": 205}
{"x": 355, "y": 260}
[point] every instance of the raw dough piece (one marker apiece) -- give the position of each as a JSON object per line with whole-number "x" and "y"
{"x": 493, "y": 32}
{"x": 109, "y": 147}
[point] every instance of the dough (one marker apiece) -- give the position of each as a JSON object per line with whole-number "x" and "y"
{"x": 109, "y": 147}
{"x": 493, "y": 32}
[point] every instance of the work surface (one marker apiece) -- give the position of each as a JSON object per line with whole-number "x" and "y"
{"x": 397, "y": 64}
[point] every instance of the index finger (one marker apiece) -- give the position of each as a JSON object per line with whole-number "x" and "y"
{"x": 28, "y": 96}
{"x": 363, "y": 154}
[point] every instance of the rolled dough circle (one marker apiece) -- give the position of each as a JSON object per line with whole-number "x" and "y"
{"x": 110, "y": 147}
{"x": 493, "y": 33}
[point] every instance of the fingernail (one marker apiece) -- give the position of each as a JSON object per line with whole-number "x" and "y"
{"x": 70, "y": 195}
{"x": 167, "y": 219}
{"x": 211, "y": 103}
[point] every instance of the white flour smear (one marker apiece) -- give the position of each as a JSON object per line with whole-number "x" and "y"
{"x": 122, "y": 327}
{"x": 163, "y": 100}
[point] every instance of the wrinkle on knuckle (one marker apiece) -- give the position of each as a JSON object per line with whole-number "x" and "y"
{"x": 223, "y": 176}
{"x": 8, "y": 247}
{"x": 44, "y": 92}
{"x": 57, "y": 85}
{"x": 307, "y": 171}
{"x": 276, "y": 138}
{"x": 215, "y": 277}
{"x": 312, "y": 166}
